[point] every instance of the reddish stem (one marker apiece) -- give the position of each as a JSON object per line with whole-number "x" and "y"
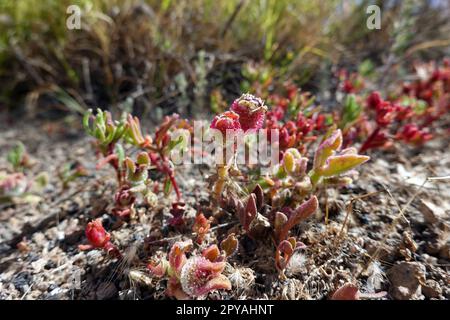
{"x": 368, "y": 142}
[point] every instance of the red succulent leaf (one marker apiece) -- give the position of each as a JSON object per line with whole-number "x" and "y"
{"x": 158, "y": 269}
{"x": 348, "y": 291}
{"x": 259, "y": 193}
{"x": 378, "y": 138}
{"x": 250, "y": 211}
{"x": 177, "y": 255}
{"x": 327, "y": 148}
{"x": 304, "y": 211}
{"x": 284, "y": 252}
{"x": 174, "y": 289}
{"x": 412, "y": 134}
{"x": 374, "y": 100}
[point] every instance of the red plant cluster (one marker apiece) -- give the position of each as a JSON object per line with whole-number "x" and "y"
{"x": 391, "y": 117}
{"x": 197, "y": 275}
{"x": 299, "y": 131}
{"x": 407, "y": 116}
{"x": 433, "y": 87}
{"x": 279, "y": 203}
{"x": 159, "y": 150}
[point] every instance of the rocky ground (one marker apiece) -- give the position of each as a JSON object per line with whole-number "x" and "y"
{"x": 389, "y": 231}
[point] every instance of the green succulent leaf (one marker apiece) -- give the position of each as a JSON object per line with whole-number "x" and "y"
{"x": 167, "y": 187}
{"x": 351, "y": 111}
{"x": 120, "y": 152}
{"x": 337, "y": 165}
{"x": 16, "y": 155}
{"x": 327, "y": 148}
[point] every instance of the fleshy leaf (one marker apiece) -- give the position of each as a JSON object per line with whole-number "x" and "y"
{"x": 158, "y": 269}
{"x": 201, "y": 227}
{"x": 229, "y": 245}
{"x": 143, "y": 158}
{"x": 259, "y": 193}
{"x": 339, "y": 164}
{"x": 284, "y": 253}
{"x": 212, "y": 253}
{"x": 250, "y": 211}
{"x": 348, "y": 291}
{"x": 327, "y": 148}
{"x": 219, "y": 282}
{"x": 305, "y": 210}
{"x": 279, "y": 222}
{"x": 177, "y": 257}
{"x": 288, "y": 162}
{"x": 351, "y": 110}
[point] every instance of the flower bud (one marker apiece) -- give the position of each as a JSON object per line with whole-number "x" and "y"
{"x": 226, "y": 121}
{"x": 96, "y": 234}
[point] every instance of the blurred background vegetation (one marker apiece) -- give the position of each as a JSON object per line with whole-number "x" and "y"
{"x": 155, "y": 57}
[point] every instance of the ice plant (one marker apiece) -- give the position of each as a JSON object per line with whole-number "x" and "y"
{"x": 110, "y": 134}
{"x": 412, "y": 134}
{"x": 191, "y": 277}
{"x": 291, "y": 194}
{"x": 251, "y": 111}
{"x": 350, "y": 82}
{"x": 160, "y": 148}
{"x": 98, "y": 238}
{"x": 291, "y": 179}
{"x": 124, "y": 201}
{"x": 17, "y": 187}
{"x": 134, "y": 133}
{"x": 296, "y": 119}
{"x": 104, "y": 129}
{"x": 107, "y": 133}
{"x": 351, "y": 111}
{"x": 201, "y": 227}
{"x": 13, "y": 185}
{"x": 258, "y": 223}
{"x": 137, "y": 171}
{"x": 246, "y": 113}
{"x": 330, "y": 162}
{"x": 283, "y": 222}
{"x": 135, "y": 181}
{"x": 18, "y": 157}
{"x": 406, "y": 116}
{"x": 133, "y": 175}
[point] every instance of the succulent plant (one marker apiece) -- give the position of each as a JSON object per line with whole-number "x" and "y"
{"x": 192, "y": 277}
